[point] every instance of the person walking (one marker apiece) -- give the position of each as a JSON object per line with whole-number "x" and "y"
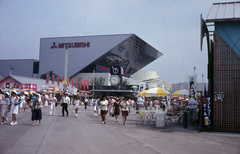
{"x": 53, "y": 101}
{"x": 25, "y": 105}
{"x": 117, "y": 108}
{"x": 86, "y": 103}
{"x": 65, "y": 103}
{"x": 110, "y": 105}
{"x": 4, "y": 106}
{"x": 76, "y": 104}
{"x": 124, "y": 107}
{"x": 45, "y": 100}
{"x": 14, "y": 108}
{"x": 95, "y": 107}
{"x": 22, "y": 100}
{"x": 104, "y": 109}
{"x": 132, "y": 104}
{"x": 129, "y": 105}
{"x": 36, "y": 112}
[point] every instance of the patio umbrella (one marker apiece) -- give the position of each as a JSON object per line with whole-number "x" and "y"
{"x": 157, "y": 92}
{"x": 143, "y": 93}
{"x": 182, "y": 92}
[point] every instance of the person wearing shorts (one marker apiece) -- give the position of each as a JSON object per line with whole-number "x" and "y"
{"x": 104, "y": 109}
{"x": 124, "y": 106}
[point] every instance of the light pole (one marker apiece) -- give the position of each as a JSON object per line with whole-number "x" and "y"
{"x": 66, "y": 62}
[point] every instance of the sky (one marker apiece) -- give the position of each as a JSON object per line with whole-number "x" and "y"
{"x": 170, "y": 26}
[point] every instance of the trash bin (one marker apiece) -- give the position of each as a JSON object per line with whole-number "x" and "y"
{"x": 160, "y": 119}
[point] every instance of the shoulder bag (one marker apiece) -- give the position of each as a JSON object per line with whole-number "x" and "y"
{"x": 40, "y": 106}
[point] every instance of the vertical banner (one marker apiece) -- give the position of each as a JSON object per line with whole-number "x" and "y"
{"x": 72, "y": 82}
{"x": 87, "y": 82}
{"x": 192, "y": 103}
{"x": 53, "y": 79}
{"x": 80, "y": 84}
{"x": 140, "y": 100}
{"x": 169, "y": 100}
{"x": 47, "y": 78}
{"x": 67, "y": 81}
{"x": 206, "y": 111}
{"x": 141, "y": 87}
{"x": 76, "y": 82}
{"x": 63, "y": 78}
{"x": 84, "y": 83}
{"x": 58, "y": 80}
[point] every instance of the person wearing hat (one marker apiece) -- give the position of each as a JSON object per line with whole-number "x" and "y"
{"x": 53, "y": 101}
{"x": 22, "y": 100}
{"x": 65, "y": 103}
{"x": 4, "y": 106}
{"x": 14, "y": 109}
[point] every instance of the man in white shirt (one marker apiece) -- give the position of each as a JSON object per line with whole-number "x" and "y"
{"x": 65, "y": 103}
{"x": 86, "y": 103}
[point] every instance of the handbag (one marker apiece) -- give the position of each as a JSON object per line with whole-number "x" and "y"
{"x": 39, "y": 106}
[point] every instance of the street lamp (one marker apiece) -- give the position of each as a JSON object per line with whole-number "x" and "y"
{"x": 66, "y": 62}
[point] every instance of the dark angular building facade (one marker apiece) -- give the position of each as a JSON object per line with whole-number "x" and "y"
{"x": 99, "y": 53}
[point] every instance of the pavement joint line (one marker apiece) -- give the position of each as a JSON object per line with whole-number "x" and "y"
{"x": 45, "y": 134}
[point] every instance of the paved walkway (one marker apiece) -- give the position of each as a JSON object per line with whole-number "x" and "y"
{"x": 86, "y": 134}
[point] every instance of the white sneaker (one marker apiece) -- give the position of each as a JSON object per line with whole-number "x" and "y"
{"x": 2, "y": 123}
{"x": 6, "y": 120}
{"x": 49, "y": 114}
{"x": 12, "y": 123}
{"x": 76, "y": 115}
{"x": 15, "y": 123}
{"x": 53, "y": 115}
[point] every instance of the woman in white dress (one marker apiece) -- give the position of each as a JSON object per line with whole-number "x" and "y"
{"x": 14, "y": 108}
{"x": 53, "y": 101}
{"x": 76, "y": 104}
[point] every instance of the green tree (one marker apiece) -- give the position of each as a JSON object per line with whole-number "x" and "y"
{"x": 98, "y": 82}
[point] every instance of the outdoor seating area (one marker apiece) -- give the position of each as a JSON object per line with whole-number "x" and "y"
{"x": 171, "y": 117}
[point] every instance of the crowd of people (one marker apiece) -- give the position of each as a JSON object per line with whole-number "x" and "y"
{"x": 14, "y": 102}
{"x": 113, "y": 107}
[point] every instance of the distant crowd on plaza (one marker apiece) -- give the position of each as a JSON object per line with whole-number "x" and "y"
{"x": 15, "y": 102}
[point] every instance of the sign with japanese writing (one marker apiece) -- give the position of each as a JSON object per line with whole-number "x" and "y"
{"x": 207, "y": 111}
{"x": 29, "y": 86}
{"x": 192, "y": 103}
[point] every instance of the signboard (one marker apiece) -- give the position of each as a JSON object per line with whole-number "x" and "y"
{"x": 64, "y": 85}
{"x": 192, "y": 103}
{"x": 84, "y": 91}
{"x": 29, "y": 86}
{"x": 219, "y": 96}
{"x": 51, "y": 88}
{"x": 207, "y": 111}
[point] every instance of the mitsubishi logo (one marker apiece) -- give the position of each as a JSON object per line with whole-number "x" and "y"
{"x": 54, "y": 45}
